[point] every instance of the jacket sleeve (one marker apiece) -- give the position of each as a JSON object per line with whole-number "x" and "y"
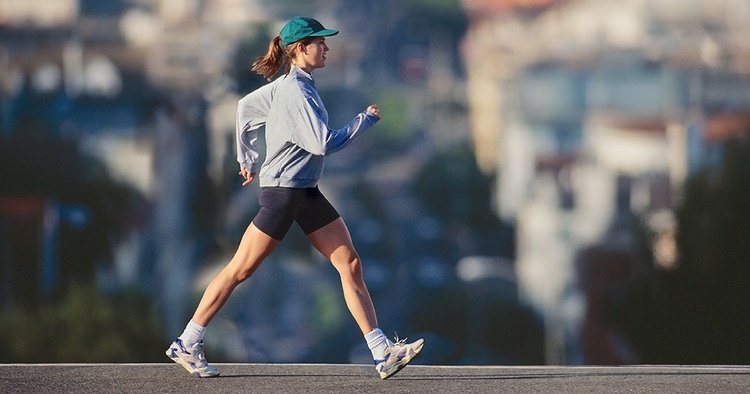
{"x": 311, "y": 131}
{"x": 252, "y": 112}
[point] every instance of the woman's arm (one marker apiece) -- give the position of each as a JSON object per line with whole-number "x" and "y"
{"x": 252, "y": 111}
{"x": 312, "y": 132}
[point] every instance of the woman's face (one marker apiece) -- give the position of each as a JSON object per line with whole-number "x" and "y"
{"x": 313, "y": 54}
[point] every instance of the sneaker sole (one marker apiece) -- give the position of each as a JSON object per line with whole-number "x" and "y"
{"x": 404, "y": 362}
{"x": 187, "y": 366}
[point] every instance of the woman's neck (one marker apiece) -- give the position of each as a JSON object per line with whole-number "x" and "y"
{"x": 306, "y": 68}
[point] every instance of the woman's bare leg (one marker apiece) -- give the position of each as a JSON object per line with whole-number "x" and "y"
{"x": 254, "y": 247}
{"x": 334, "y": 242}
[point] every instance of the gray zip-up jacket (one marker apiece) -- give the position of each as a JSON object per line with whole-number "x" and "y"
{"x": 297, "y": 134}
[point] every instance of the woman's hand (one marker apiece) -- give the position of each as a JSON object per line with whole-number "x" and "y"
{"x": 373, "y": 109}
{"x": 249, "y": 176}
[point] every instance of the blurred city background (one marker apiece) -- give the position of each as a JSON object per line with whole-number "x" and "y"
{"x": 552, "y": 182}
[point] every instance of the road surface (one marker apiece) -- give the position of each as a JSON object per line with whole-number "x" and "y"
{"x": 327, "y": 378}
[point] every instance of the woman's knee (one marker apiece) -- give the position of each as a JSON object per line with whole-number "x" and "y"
{"x": 243, "y": 272}
{"x": 254, "y": 248}
{"x": 350, "y": 267}
{"x": 241, "y": 276}
{"x": 236, "y": 273}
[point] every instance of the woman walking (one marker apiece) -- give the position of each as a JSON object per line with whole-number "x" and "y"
{"x": 297, "y": 140}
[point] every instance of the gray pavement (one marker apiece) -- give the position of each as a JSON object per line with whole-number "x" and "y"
{"x": 326, "y": 378}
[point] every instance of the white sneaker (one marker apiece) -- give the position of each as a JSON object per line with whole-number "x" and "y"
{"x": 397, "y": 357}
{"x": 191, "y": 359}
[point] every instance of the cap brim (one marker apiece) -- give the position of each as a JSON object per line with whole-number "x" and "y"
{"x": 324, "y": 33}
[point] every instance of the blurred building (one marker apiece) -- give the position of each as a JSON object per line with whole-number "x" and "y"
{"x": 39, "y": 14}
{"x": 590, "y": 112}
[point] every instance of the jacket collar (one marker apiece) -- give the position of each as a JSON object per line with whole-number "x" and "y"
{"x": 298, "y": 71}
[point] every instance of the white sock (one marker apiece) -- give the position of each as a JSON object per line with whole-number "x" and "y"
{"x": 193, "y": 334}
{"x": 378, "y": 343}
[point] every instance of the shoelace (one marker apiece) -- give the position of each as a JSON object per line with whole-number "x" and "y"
{"x": 399, "y": 342}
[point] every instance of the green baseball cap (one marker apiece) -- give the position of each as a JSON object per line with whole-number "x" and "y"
{"x": 301, "y": 27}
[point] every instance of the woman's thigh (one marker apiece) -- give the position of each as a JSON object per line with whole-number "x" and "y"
{"x": 254, "y": 247}
{"x": 334, "y": 242}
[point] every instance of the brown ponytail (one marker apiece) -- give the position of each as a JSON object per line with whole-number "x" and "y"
{"x": 276, "y": 58}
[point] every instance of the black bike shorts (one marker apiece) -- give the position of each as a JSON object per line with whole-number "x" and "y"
{"x": 280, "y": 206}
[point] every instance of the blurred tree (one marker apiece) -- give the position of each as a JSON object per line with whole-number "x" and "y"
{"x": 74, "y": 322}
{"x": 452, "y": 186}
{"x": 43, "y": 165}
{"x": 409, "y": 30}
{"x": 254, "y": 46}
{"x": 83, "y": 326}
{"x": 109, "y": 8}
{"x": 488, "y": 325}
{"x": 394, "y": 129}
{"x": 699, "y": 312}
{"x": 453, "y": 189}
